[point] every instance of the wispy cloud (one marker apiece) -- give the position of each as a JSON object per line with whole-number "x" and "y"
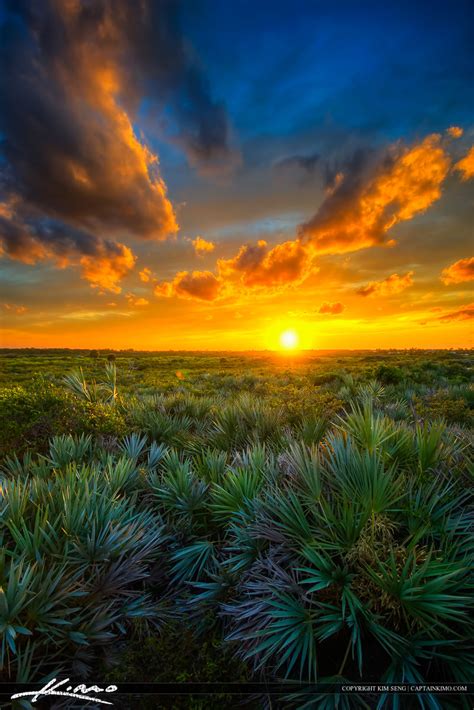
{"x": 461, "y": 314}
{"x": 15, "y": 308}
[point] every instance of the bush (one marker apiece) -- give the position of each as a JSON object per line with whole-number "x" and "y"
{"x": 442, "y": 405}
{"x": 31, "y": 416}
{"x": 179, "y": 655}
{"x": 389, "y": 374}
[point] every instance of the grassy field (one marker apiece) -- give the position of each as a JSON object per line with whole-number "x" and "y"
{"x": 225, "y": 516}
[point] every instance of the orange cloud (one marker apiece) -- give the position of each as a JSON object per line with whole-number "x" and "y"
{"x": 362, "y": 208}
{"x": 201, "y": 285}
{"x": 332, "y": 308}
{"x": 388, "y": 287}
{"x": 104, "y": 262}
{"x": 257, "y": 265}
{"x": 145, "y": 275}
{"x": 106, "y": 271}
{"x": 454, "y": 131}
{"x": 466, "y": 165}
{"x": 136, "y": 300}
{"x": 462, "y": 270}
{"x": 202, "y": 246}
{"x": 462, "y": 314}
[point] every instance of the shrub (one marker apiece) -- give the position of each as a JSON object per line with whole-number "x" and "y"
{"x": 443, "y": 405}
{"x": 30, "y": 416}
{"x": 389, "y": 374}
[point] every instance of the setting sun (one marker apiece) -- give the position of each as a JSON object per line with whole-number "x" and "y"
{"x": 289, "y": 340}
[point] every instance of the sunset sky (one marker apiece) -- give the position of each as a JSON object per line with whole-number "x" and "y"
{"x": 209, "y": 174}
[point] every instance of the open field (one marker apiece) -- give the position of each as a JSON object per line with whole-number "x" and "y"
{"x": 225, "y": 516}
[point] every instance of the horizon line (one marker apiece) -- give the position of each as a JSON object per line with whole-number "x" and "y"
{"x": 292, "y": 353}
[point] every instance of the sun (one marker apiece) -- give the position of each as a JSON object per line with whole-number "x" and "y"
{"x": 289, "y": 340}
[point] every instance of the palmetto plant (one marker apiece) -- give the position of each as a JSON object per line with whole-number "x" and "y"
{"x": 323, "y": 548}
{"x": 105, "y": 391}
{"x": 76, "y": 553}
{"x": 369, "y": 429}
{"x": 245, "y": 421}
{"x": 65, "y": 449}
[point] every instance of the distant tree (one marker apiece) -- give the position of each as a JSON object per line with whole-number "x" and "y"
{"x": 94, "y": 354}
{"x": 111, "y": 357}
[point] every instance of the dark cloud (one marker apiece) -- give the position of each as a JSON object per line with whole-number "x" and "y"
{"x": 305, "y": 165}
{"x": 355, "y": 167}
{"x": 72, "y": 76}
{"x": 103, "y": 262}
{"x": 69, "y": 149}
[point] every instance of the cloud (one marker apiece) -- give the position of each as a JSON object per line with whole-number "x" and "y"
{"x": 388, "y": 287}
{"x": 202, "y": 246}
{"x": 106, "y": 271}
{"x": 462, "y": 270}
{"x": 466, "y": 166}
{"x": 331, "y": 308}
{"x": 381, "y": 191}
{"x": 376, "y": 190}
{"x": 461, "y": 314}
{"x": 16, "y": 308}
{"x": 145, "y": 275}
{"x": 103, "y": 262}
{"x": 256, "y": 265}
{"x": 305, "y": 165}
{"x": 95, "y": 315}
{"x": 136, "y": 300}
{"x": 69, "y": 146}
{"x": 72, "y": 79}
{"x": 454, "y": 131}
{"x": 201, "y": 285}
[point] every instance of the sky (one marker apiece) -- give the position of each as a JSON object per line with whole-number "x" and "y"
{"x": 206, "y": 175}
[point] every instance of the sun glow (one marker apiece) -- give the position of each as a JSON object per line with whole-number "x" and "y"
{"x": 289, "y": 340}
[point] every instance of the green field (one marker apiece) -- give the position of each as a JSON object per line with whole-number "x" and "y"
{"x": 238, "y": 516}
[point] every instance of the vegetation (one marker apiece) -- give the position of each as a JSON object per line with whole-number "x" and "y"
{"x": 308, "y": 519}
